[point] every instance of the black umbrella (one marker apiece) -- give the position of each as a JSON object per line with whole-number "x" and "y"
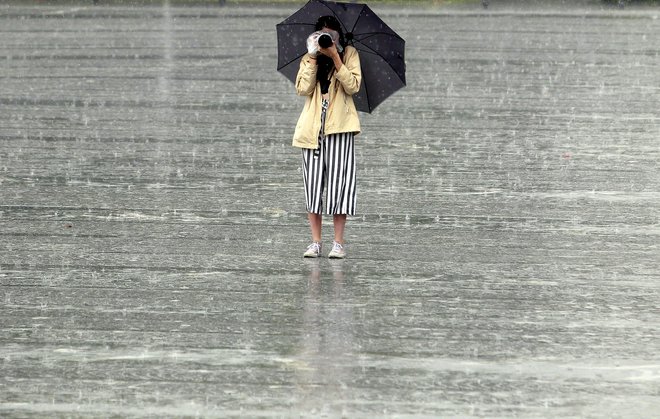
{"x": 381, "y": 49}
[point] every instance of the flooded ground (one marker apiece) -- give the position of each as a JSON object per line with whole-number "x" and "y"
{"x": 504, "y": 261}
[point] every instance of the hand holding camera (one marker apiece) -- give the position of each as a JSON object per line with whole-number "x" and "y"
{"x": 322, "y": 40}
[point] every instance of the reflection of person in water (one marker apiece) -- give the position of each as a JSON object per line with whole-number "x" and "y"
{"x": 326, "y": 342}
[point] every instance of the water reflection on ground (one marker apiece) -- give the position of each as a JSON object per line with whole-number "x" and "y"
{"x": 327, "y": 344}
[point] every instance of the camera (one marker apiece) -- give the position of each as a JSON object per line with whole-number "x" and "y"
{"x": 321, "y": 39}
{"x": 325, "y": 40}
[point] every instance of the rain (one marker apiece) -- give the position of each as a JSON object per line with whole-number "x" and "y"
{"x": 504, "y": 260}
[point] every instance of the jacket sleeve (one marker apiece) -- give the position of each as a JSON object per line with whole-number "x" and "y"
{"x": 350, "y": 74}
{"x": 306, "y": 78}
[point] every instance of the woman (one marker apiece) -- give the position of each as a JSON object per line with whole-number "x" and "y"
{"x": 325, "y": 131}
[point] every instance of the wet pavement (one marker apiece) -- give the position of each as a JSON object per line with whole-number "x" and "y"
{"x": 504, "y": 262}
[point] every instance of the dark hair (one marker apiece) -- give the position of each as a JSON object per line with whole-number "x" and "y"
{"x": 325, "y": 64}
{"x": 331, "y": 22}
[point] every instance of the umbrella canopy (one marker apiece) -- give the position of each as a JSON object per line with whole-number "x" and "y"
{"x": 381, "y": 50}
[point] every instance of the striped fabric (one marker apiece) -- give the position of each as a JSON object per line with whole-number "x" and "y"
{"x": 332, "y": 163}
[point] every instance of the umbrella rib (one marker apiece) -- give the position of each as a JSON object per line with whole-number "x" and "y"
{"x": 358, "y": 19}
{"x": 295, "y": 24}
{"x": 298, "y": 57}
{"x": 333, "y": 12}
{"x": 368, "y": 50}
{"x": 366, "y": 94}
{"x": 370, "y": 34}
{"x": 371, "y": 51}
{"x": 394, "y": 34}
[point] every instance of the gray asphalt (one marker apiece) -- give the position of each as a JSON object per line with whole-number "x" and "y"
{"x": 504, "y": 262}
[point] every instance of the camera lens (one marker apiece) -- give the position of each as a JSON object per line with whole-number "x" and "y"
{"x": 325, "y": 40}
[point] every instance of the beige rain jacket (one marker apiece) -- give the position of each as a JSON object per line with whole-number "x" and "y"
{"x": 341, "y": 115}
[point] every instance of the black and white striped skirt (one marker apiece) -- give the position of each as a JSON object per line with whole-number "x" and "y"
{"x": 332, "y": 164}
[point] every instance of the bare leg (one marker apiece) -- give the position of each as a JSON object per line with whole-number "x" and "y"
{"x": 339, "y": 221}
{"x": 315, "y": 224}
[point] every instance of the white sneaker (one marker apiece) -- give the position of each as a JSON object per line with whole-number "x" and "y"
{"x": 313, "y": 250}
{"x": 337, "y": 252}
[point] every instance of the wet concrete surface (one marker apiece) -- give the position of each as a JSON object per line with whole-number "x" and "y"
{"x": 504, "y": 262}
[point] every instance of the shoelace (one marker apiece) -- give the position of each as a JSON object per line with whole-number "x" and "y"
{"x": 337, "y": 246}
{"x": 315, "y": 246}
